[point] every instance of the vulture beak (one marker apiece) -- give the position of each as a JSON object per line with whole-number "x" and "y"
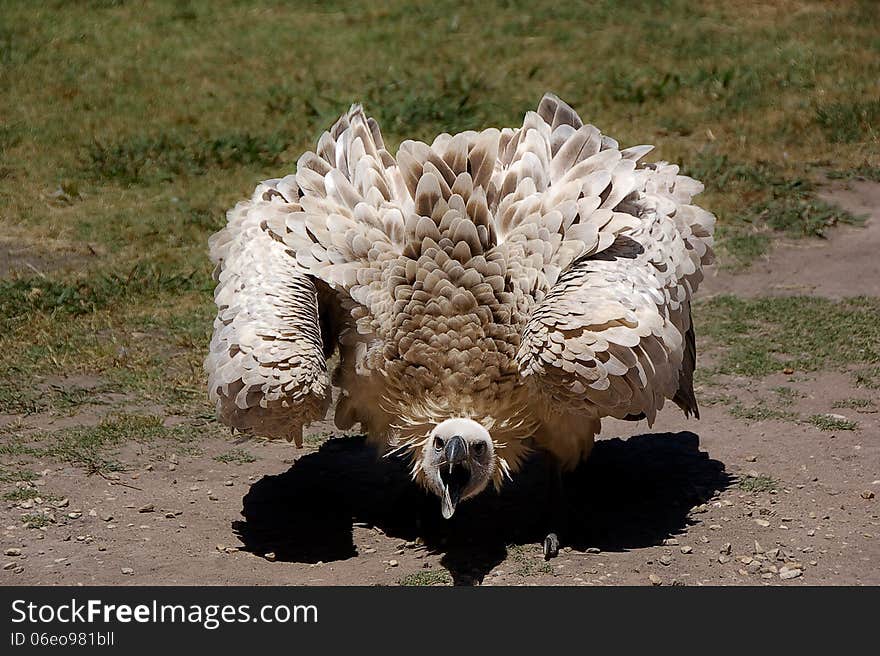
{"x": 455, "y": 474}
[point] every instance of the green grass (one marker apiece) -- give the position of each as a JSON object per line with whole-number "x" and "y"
{"x": 865, "y": 170}
{"x": 765, "y": 335}
{"x": 760, "y": 412}
{"x": 847, "y": 122}
{"x": 854, "y": 404}
{"x": 236, "y": 456}
{"x": 787, "y": 395}
{"x": 15, "y": 474}
{"x": 35, "y": 520}
{"x": 757, "y": 483}
{"x": 95, "y": 448}
{"x": 776, "y": 204}
{"x": 20, "y": 494}
{"x": 868, "y": 377}
{"x": 526, "y": 564}
{"x": 426, "y": 577}
{"x": 829, "y": 423}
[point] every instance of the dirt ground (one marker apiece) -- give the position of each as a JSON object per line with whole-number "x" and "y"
{"x": 720, "y": 501}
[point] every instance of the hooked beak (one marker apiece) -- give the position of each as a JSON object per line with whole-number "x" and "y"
{"x": 455, "y": 475}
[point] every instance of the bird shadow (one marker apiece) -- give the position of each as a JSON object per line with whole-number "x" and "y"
{"x": 631, "y": 493}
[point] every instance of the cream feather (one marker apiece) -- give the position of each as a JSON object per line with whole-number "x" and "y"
{"x": 533, "y": 279}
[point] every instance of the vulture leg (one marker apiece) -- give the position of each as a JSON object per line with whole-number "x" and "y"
{"x": 557, "y": 502}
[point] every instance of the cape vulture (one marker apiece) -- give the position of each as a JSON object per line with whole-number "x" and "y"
{"x": 489, "y": 294}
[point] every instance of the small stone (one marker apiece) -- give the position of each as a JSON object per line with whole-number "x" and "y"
{"x": 228, "y": 483}
{"x": 593, "y": 550}
{"x": 766, "y": 575}
{"x": 18, "y": 570}
{"x": 127, "y": 571}
{"x": 172, "y": 467}
{"x": 714, "y": 527}
{"x": 723, "y": 559}
{"x": 194, "y": 488}
{"x": 754, "y": 567}
{"x": 704, "y": 539}
{"x": 9, "y": 566}
{"x": 212, "y": 497}
{"x": 788, "y": 371}
{"x": 655, "y": 580}
{"x": 726, "y": 548}
{"x": 63, "y": 503}
{"x": 271, "y": 557}
{"x": 13, "y": 551}
{"x": 666, "y": 561}
{"x": 762, "y": 522}
{"x": 867, "y": 494}
{"x": 751, "y": 458}
{"x": 786, "y": 574}
{"x": 93, "y": 513}
{"x": 686, "y": 549}
{"x": 393, "y": 563}
{"x": 670, "y": 542}
{"x": 745, "y": 560}
{"x": 147, "y": 508}
{"x": 74, "y": 515}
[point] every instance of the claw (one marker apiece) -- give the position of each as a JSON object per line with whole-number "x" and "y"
{"x": 551, "y": 546}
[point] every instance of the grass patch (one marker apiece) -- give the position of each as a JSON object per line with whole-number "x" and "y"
{"x": 35, "y": 520}
{"x": 787, "y": 395}
{"x": 854, "y": 404}
{"x": 866, "y": 171}
{"x": 144, "y": 159}
{"x": 527, "y": 565}
{"x": 869, "y": 377}
{"x": 849, "y": 121}
{"x": 20, "y": 494}
{"x": 236, "y": 456}
{"x": 757, "y": 483}
{"x": 765, "y": 335}
{"x": 760, "y": 412}
{"x": 426, "y": 577}
{"x": 94, "y": 448}
{"x": 22, "y": 298}
{"x": 829, "y": 423}
{"x": 774, "y": 203}
{"x": 11, "y": 474}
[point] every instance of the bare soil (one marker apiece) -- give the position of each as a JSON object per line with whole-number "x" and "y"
{"x": 720, "y": 501}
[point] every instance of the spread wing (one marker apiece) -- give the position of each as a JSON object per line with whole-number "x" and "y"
{"x": 613, "y": 335}
{"x": 266, "y": 367}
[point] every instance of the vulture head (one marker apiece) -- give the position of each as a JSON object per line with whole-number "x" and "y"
{"x": 458, "y": 461}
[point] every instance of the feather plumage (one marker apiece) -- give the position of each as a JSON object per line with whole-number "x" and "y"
{"x": 533, "y": 279}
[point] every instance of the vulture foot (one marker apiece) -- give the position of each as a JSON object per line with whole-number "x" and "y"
{"x": 557, "y": 502}
{"x": 551, "y": 546}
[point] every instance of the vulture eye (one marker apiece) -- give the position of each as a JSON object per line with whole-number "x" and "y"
{"x": 479, "y": 448}
{"x": 438, "y": 443}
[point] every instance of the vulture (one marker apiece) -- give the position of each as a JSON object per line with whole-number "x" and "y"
{"x": 486, "y": 295}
